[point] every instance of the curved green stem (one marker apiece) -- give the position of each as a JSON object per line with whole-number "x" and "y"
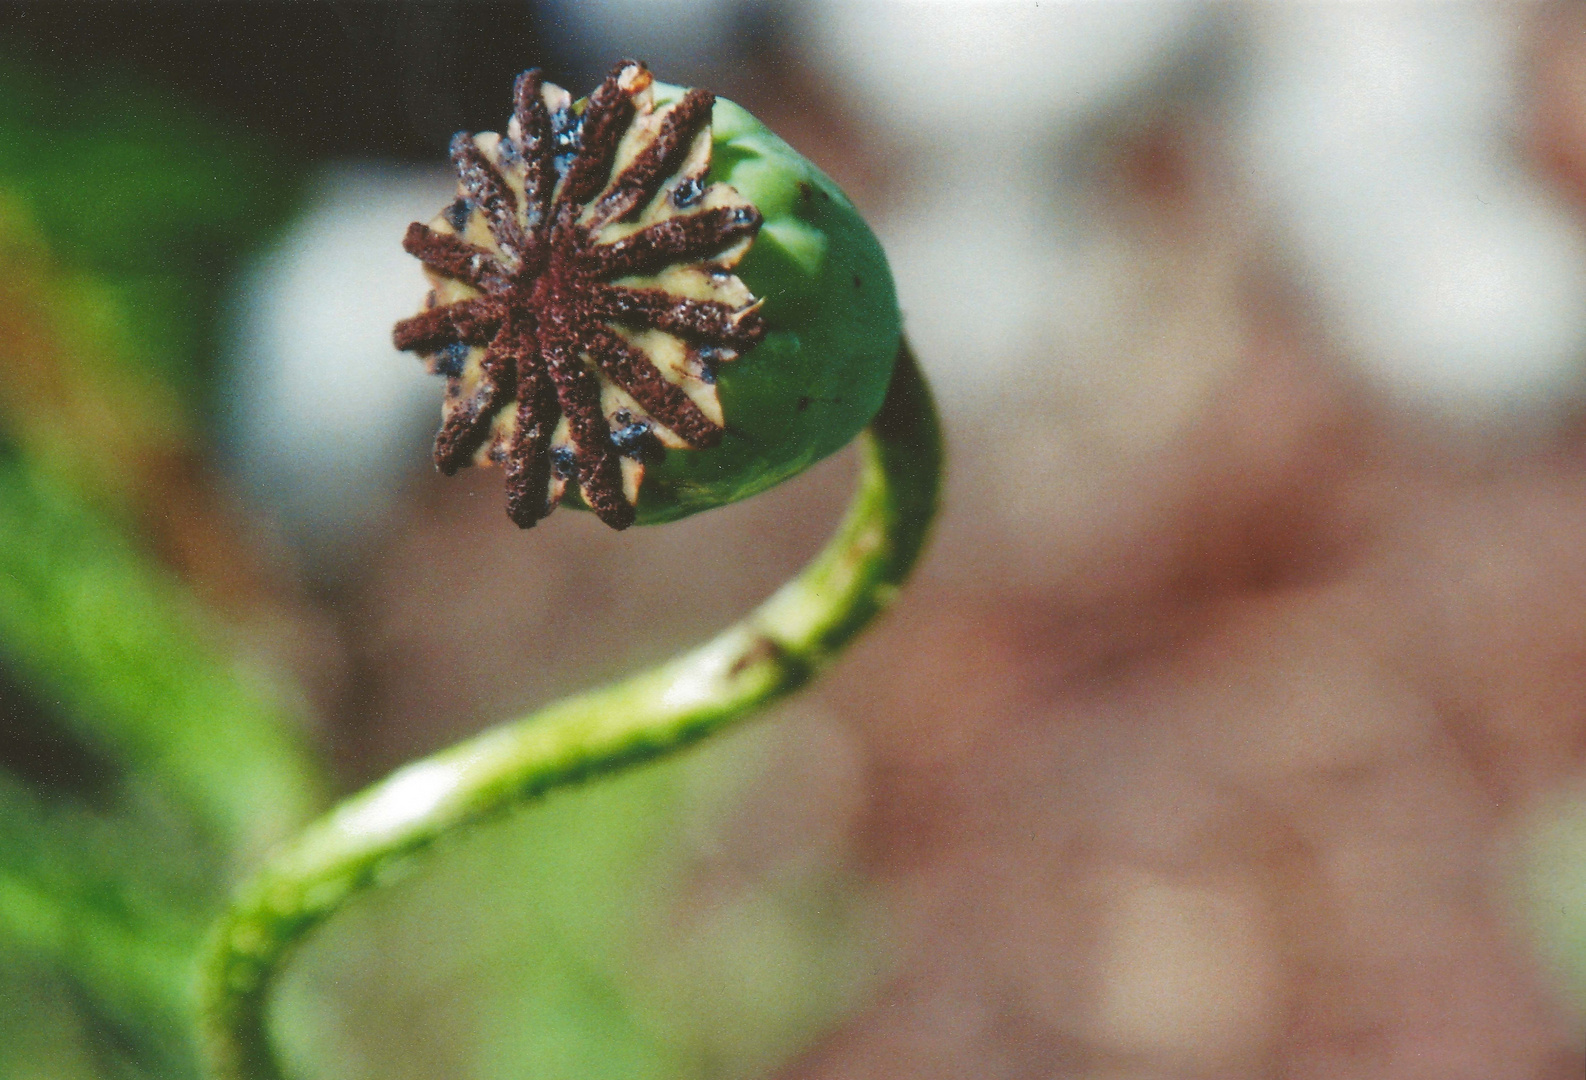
{"x": 370, "y": 837}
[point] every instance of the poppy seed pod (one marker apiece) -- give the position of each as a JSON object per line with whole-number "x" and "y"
{"x": 648, "y": 303}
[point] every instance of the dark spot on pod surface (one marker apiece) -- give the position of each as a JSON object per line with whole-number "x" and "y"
{"x": 805, "y": 191}
{"x": 688, "y": 192}
{"x": 564, "y": 462}
{"x": 565, "y": 131}
{"x": 803, "y": 403}
{"x": 763, "y": 650}
{"x": 632, "y": 440}
{"x": 449, "y": 360}
{"x": 457, "y": 214}
{"x": 857, "y": 283}
{"x": 707, "y": 357}
{"x": 565, "y": 125}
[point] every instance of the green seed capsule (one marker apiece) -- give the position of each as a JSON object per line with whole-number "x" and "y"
{"x": 648, "y": 302}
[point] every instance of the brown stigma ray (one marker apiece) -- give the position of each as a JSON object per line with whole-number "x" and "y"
{"x": 445, "y": 254}
{"x": 690, "y": 238}
{"x": 555, "y": 368}
{"x": 700, "y": 320}
{"x": 629, "y": 369}
{"x": 488, "y": 191}
{"x": 658, "y": 160}
{"x": 471, "y": 322}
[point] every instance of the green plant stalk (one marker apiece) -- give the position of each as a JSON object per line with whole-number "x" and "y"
{"x": 373, "y": 836}
{"x": 121, "y": 648}
{"x": 67, "y": 900}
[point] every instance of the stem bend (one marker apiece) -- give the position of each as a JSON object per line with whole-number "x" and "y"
{"x": 773, "y": 651}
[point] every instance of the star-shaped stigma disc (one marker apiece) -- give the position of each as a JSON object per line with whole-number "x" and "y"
{"x": 583, "y": 293}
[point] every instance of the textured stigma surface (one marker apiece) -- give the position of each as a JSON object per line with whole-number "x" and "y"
{"x": 583, "y": 293}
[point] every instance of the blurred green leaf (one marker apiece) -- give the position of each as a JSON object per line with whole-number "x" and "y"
{"x": 143, "y": 191}
{"x": 121, "y": 211}
{"x": 111, "y": 906}
{"x": 139, "y": 670}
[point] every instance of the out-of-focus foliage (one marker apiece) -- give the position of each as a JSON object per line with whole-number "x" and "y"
{"x": 103, "y": 912}
{"x": 140, "y": 764}
{"x": 78, "y": 400}
{"x": 123, "y": 654}
{"x": 149, "y": 196}
{"x": 1553, "y": 884}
